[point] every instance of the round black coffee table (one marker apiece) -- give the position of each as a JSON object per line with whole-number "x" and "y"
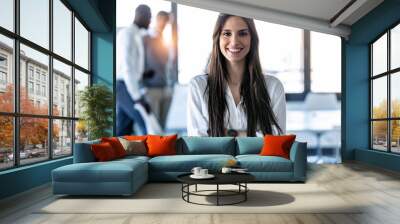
{"x": 238, "y": 179}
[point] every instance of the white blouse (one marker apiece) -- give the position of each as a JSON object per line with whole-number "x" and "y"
{"x": 197, "y": 107}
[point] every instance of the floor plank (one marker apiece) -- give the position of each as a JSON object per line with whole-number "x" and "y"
{"x": 375, "y": 189}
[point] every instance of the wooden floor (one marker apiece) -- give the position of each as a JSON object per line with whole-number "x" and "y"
{"x": 378, "y": 189}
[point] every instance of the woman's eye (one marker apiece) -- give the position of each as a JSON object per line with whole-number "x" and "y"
{"x": 243, "y": 33}
{"x": 226, "y": 34}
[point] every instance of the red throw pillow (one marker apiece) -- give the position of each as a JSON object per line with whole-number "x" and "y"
{"x": 277, "y": 145}
{"x": 103, "y": 151}
{"x": 116, "y": 145}
{"x": 161, "y": 145}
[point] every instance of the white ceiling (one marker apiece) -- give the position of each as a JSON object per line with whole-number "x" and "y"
{"x": 321, "y": 9}
{"x": 316, "y": 15}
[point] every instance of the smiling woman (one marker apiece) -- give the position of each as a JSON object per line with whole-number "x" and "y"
{"x": 234, "y": 94}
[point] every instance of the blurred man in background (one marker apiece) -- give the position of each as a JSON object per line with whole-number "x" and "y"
{"x": 130, "y": 69}
{"x": 158, "y": 91}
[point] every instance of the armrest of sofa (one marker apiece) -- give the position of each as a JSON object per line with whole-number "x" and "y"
{"x": 83, "y": 152}
{"x": 298, "y": 155}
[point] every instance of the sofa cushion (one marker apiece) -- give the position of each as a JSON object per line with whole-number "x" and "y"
{"x": 185, "y": 163}
{"x": 257, "y": 163}
{"x": 249, "y": 145}
{"x": 111, "y": 171}
{"x": 191, "y": 145}
{"x": 132, "y": 158}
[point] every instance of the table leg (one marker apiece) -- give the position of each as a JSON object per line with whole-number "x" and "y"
{"x": 217, "y": 194}
{"x": 245, "y": 191}
{"x": 188, "y": 192}
{"x": 196, "y": 187}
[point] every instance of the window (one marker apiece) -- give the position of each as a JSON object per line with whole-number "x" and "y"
{"x": 37, "y": 89}
{"x": 6, "y": 142}
{"x": 62, "y": 29}
{"x": 45, "y": 131}
{"x": 3, "y": 61}
{"x": 62, "y": 74}
{"x": 3, "y": 72}
{"x": 34, "y": 25}
{"x": 33, "y": 149}
{"x": 281, "y": 49}
{"x": 385, "y": 94}
{"x": 30, "y": 87}
{"x": 81, "y": 81}
{"x": 7, "y": 14}
{"x": 189, "y": 66}
{"x": 395, "y": 47}
{"x": 55, "y": 102}
{"x": 43, "y": 90}
{"x": 325, "y": 60}
{"x": 30, "y": 72}
{"x": 62, "y": 140}
{"x": 7, "y": 73}
{"x": 81, "y": 45}
{"x": 3, "y": 78}
{"x": 37, "y": 75}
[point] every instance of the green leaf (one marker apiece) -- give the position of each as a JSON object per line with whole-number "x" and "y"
{"x": 96, "y": 102}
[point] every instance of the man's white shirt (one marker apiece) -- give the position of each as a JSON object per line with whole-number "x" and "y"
{"x": 130, "y": 59}
{"x": 197, "y": 107}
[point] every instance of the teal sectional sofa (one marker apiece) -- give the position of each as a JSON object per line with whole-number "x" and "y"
{"x": 125, "y": 176}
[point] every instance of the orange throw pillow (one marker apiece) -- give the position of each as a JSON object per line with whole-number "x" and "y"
{"x": 161, "y": 145}
{"x": 116, "y": 145}
{"x": 277, "y": 145}
{"x": 103, "y": 151}
{"x": 135, "y": 137}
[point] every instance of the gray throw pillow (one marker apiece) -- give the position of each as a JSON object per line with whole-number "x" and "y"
{"x": 137, "y": 147}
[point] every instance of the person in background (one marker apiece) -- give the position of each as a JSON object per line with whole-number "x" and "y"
{"x": 155, "y": 79}
{"x": 130, "y": 69}
{"x": 235, "y": 98}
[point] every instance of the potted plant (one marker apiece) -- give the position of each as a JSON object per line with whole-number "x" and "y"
{"x": 96, "y": 103}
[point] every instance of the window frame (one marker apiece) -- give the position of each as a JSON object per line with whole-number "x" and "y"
{"x": 16, "y": 114}
{"x": 388, "y": 74}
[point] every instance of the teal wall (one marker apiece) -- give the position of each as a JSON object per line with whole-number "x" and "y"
{"x": 24, "y": 178}
{"x": 102, "y": 58}
{"x": 103, "y": 53}
{"x": 103, "y": 66}
{"x": 356, "y": 85}
{"x": 99, "y": 15}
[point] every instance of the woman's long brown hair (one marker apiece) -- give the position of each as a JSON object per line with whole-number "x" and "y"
{"x": 256, "y": 100}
